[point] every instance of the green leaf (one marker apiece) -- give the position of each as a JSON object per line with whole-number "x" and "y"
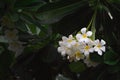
{"x": 50, "y": 54}
{"x": 33, "y": 29}
{"x": 14, "y": 16}
{"x": 111, "y": 58}
{"x": 77, "y": 67}
{"x": 22, "y": 3}
{"x": 6, "y": 60}
{"x": 54, "y": 15}
{"x": 96, "y": 58}
{"x": 114, "y": 69}
{"x": 114, "y": 1}
{"x": 29, "y": 19}
{"x": 93, "y": 29}
{"x": 1, "y": 49}
{"x": 21, "y": 25}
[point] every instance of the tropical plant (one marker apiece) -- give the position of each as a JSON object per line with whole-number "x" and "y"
{"x": 30, "y": 31}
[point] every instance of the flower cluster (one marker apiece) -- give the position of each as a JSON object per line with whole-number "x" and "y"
{"x": 79, "y": 47}
{"x": 14, "y": 44}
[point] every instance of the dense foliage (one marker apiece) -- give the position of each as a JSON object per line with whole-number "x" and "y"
{"x": 30, "y": 31}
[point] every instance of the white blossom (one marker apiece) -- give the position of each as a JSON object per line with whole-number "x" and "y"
{"x": 99, "y": 46}
{"x": 83, "y": 36}
{"x": 80, "y": 47}
{"x": 88, "y": 48}
{"x": 76, "y": 52}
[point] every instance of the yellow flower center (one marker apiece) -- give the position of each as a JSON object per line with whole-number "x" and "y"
{"x": 76, "y": 45}
{"x": 69, "y": 40}
{"x": 84, "y": 36}
{"x": 87, "y": 47}
{"x": 99, "y": 45}
{"x": 78, "y": 54}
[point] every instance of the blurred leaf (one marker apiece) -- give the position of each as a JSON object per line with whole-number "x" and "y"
{"x": 77, "y": 67}
{"x": 114, "y": 69}
{"x": 21, "y": 25}
{"x": 93, "y": 26}
{"x": 50, "y": 54}
{"x": 114, "y": 1}
{"x": 6, "y": 60}
{"x": 54, "y": 15}
{"x": 34, "y": 8}
{"x": 24, "y": 3}
{"x": 111, "y": 58}
{"x": 14, "y": 16}
{"x": 33, "y": 29}
{"x": 1, "y": 49}
{"x": 28, "y": 18}
{"x": 9, "y": 2}
{"x": 96, "y": 58}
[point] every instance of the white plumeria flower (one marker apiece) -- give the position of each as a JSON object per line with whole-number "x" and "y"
{"x": 64, "y": 50}
{"x": 99, "y": 46}
{"x": 16, "y": 47}
{"x": 76, "y": 52}
{"x": 84, "y": 35}
{"x": 90, "y": 63}
{"x": 11, "y": 35}
{"x": 68, "y": 41}
{"x": 80, "y": 47}
{"x": 66, "y": 44}
{"x": 73, "y": 51}
{"x": 88, "y": 48}
{"x": 79, "y": 55}
{"x": 76, "y": 55}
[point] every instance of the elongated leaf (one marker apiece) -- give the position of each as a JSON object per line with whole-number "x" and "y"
{"x": 1, "y": 49}
{"x": 28, "y": 18}
{"x": 21, "y": 3}
{"x": 55, "y": 15}
{"x": 77, "y": 67}
{"x": 96, "y": 58}
{"x": 21, "y": 25}
{"x": 33, "y": 29}
{"x": 111, "y": 58}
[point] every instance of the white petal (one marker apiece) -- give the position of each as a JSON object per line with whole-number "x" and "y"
{"x": 96, "y": 48}
{"x": 91, "y": 49}
{"x": 78, "y": 58}
{"x": 59, "y": 49}
{"x": 64, "y": 38}
{"x": 103, "y": 48}
{"x": 87, "y": 40}
{"x": 99, "y": 52}
{"x": 103, "y": 42}
{"x": 83, "y": 30}
{"x": 63, "y": 53}
{"x": 70, "y": 36}
{"x": 69, "y": 45}
{"x": 60, "y": 43}
{"x": 96, "y": 41}
{"x": 78, "y": 37}
{"x": 89, "y": 33}
{"x": 86, "y": 53}
{"x": 73, "y": 42}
